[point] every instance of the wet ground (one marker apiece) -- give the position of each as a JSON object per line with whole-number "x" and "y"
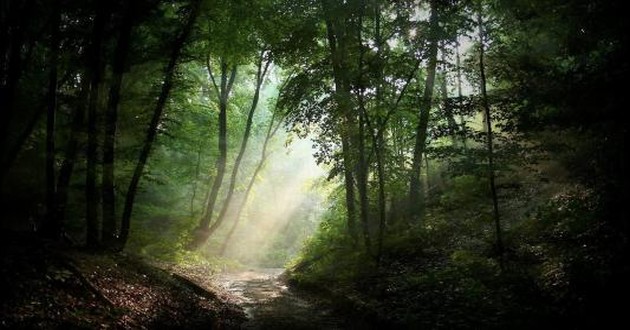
{"x": 271, "y": 304}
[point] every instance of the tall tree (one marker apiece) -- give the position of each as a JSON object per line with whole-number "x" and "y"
{"x": 223, "y": 89}
{"x": 262, "y": 68}
{"x": 111, "y": 118}
{"x": 416, "y": 198}
{"x": 95, "y": 73}
{"x": 274, "y": 125}
{"x": 53, "y": 224}
{"x": 489, "y": 136}
{"x": 169, "y": 75}
{"x": 336, "y": 19}
{"x": 364, "y": 125}
{"x": 71, "y": 149}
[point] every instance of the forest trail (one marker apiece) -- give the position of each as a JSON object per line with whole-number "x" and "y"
{"x": 271, "y": 304}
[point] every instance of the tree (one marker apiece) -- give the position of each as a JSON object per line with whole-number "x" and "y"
{"x": 489, "y": 138}
{"x": 274, "y": 125}
{"x": 262, "y": 68}
{"x": 338, "y": 35}
{"x": 118, "y": 67}
{"x": 95, "y": 73}
{"x": 202, "y": 232}
{"x": 52, "y": 222}
{"x": 416, "y": 199}
{"x": 169, "y": 72}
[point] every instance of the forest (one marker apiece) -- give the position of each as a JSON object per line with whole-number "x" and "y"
{"x": 313, "y": 164}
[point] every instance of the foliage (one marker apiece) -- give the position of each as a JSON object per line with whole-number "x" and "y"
{"x": 523, "y": 231}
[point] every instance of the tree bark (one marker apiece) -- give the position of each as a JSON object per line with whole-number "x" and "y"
{"x": 489, "y": 141}
{"x": 336, "y": 42}
{"x": 71, "y": 150}
{"x": 169, "y": 75}
{"x": 460, "y": 95}
{"x": 53, "y": 226}
{"x": 416, "y": 198}
{"x": 362, "y": 166}
{"x": 202, "y": 232}
{"x": 260, "y": 76}
{"x": 194, "y": 188}
{"x": 378, "y": 141}
{"x": 446, "y": 106}
{"x": 95, "y": 73}
{"x": 271, "y": 131}
{"x": 111, "y": 118}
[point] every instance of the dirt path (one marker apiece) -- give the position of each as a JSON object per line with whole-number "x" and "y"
{"x": 270, "y": 304}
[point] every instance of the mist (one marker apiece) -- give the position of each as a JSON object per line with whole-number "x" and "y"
{"x": 283, "y": 209}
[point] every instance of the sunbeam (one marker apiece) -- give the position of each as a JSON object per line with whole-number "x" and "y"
{"x": 283, "y": 209}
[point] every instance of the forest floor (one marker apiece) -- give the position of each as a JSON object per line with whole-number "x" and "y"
{"x": 47, "y": 286}
{"x": 44, "y": 286}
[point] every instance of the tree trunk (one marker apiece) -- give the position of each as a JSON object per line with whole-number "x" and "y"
{"x": 337, "y": 44}
{"x": 416, "y": 198}
{"x": 446, "y": 106}
{"x": 194, "y": 188}
{"x": 489, "y": 142}
{"x": 53, "y": 226}
{"x": 169, "y": 75}
{"x": 362, "y": 166}
{"x": 271, "y": 131}
{"x": 260, "y": 76}
{"x": 95, "y": 73}
{"x": 378, "y": 142}
{"x": 202, "y": 232}
{"x": 460, "y": 96}
{"x": 71, "y": 150}
{"x": 111, "y": 118}
{"x": 362, "y": 186}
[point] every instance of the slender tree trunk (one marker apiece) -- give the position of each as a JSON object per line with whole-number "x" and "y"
{"x": 260, "y": 76}
{"x": 460, "y": 96}
{"x": 446, "y": 106}
{"x": 350, "y": 198}
{"x": 202, "y": 232}
{"x": 362, "y": 186}
{"x": 169, "y": 75}
{"x": 427, "y": 182}
{"x": 337, "y": 44}
{"x": 489, "y": 142}
{"x": 378, "y": 141}
{"x": 362, "y": 166}
{"x": 96, "y": 72}
{"x": 53, "y": 226}
{"x": 71, "y": 150}
{"x": 194, "y": 188}
{"x": 271, "y": 131}
{"x": 416, "y": 200}
{"x": 111, "y": 118}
